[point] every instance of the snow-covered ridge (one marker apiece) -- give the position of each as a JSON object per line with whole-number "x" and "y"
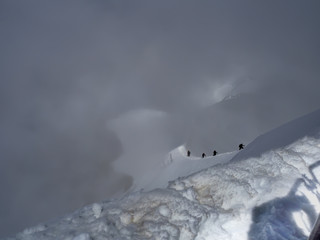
{"x": 308, "y": 125}
{"x": 177, "y": 164}
{"x": 270, "y": 190}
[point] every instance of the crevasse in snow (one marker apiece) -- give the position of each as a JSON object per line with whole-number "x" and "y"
{"x": 270, "y": 190}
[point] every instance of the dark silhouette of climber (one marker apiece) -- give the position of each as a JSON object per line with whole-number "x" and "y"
{"x": 241, "y": 146}
{"x": 188, "y": 153}
{"x": 203, "y": 155}
{"x": 215, "y": 152}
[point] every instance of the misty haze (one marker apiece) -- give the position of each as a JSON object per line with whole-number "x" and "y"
{"x": 95, "y": 94}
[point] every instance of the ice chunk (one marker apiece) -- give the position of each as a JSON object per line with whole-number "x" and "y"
{"x": 97, "y": 209}
{"x": 164, "y": 211}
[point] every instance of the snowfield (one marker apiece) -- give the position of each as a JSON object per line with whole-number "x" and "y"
{"x": 269, "y": 190}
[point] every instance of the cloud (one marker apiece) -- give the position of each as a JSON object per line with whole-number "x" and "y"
{"x": 146, "y": 136}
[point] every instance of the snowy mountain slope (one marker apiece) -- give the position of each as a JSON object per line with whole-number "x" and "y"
{"x": 276, "y": 191}
{"x": 270, "y": 190}
{"x": 177, "y": 164}
{"x": 308, "y": 125}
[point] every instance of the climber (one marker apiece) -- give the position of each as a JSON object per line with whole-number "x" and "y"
{"x": 241, "y": 146}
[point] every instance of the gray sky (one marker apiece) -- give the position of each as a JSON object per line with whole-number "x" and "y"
{"x": 84, "y": 83}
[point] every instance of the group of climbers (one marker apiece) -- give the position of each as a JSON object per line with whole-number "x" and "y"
{"x": 241, "y": 146}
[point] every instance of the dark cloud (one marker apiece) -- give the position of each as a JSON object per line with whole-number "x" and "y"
{"x": 69, "y": 70}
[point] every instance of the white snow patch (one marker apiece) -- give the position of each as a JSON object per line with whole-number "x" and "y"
{"x": 126, "y": 218}
{"x": 83, "y": 236}
{"x": 97, "y": 210}
{"x": 30, "y": 231}
{"x": 164, "y": 211}
{"x": 302, "y": 221}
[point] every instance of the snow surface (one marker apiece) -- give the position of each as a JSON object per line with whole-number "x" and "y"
{"x": 177, "y": 164}
{"x": 269, "y": 190}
